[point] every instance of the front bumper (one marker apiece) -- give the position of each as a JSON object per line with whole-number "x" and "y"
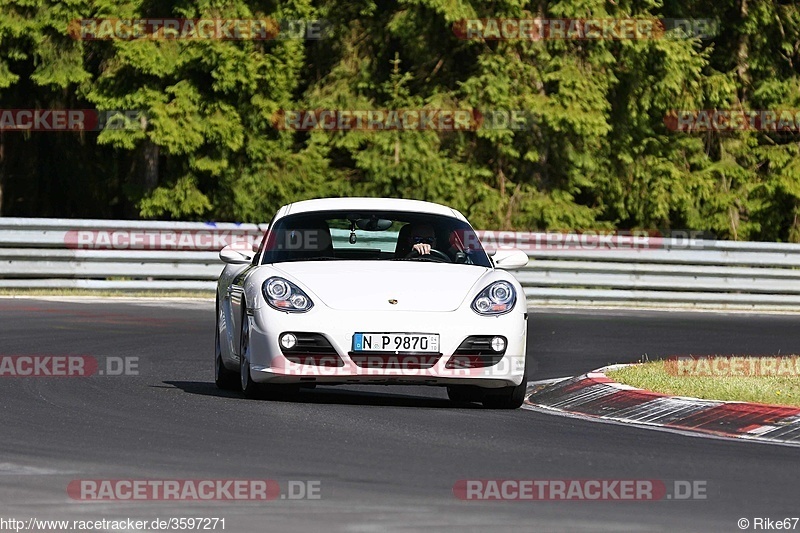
{"x": 269, "y": 365}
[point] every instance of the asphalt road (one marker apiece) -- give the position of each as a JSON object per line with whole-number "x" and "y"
{"x": 386, "y": 459}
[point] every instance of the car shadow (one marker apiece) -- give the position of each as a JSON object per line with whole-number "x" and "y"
{"x": 330, "y": 395}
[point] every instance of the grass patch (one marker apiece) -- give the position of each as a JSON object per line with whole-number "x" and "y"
{"x": 106, "y": 293}
{"x": 771, "y": 387}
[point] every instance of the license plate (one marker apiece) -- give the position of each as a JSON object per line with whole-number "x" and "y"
{"x": 396, "y": 342}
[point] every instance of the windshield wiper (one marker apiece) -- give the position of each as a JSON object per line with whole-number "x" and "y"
{"x": 418, "y": 258}
{"x": 295, "y": 259}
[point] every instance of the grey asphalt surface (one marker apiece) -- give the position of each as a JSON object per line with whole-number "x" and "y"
{"x": 386, "y": 458}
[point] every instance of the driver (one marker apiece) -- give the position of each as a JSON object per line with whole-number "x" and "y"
{"x": 422, "y": 238}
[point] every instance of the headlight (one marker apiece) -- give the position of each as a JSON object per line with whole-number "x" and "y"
{"x": 284, "y": 295}
{"x": 496, "y": 299}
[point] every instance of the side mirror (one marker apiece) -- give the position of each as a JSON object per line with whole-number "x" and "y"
{"x": 510, "y": 258}
{"x": 234, "y": 254}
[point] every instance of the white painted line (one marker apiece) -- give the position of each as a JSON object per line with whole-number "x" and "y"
{"x": 548, "y": 381}
{"x": 89, "y": 299}
{"x": 652, "y": 427}
{"x": 625, "y": 310}
{"x": 751, "y": 436}
{"x": 14, "y": 469}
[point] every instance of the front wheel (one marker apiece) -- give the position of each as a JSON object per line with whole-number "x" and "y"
{"x": 507, "y": 397}
{"x": 250, "y": 388}
{"x": 224, "y": 378}
{"x": 464, "y": 393}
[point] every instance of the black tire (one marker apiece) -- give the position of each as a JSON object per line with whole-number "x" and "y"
{"x": 507, "y": 397}
{"x": 249, "y": 388}
{"x": 464, "y": 393}
{"x": 225, "y": 379}
{"x": 279, "y": 391}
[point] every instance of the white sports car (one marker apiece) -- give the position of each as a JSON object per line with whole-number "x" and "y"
{"x": 372, "y": 291}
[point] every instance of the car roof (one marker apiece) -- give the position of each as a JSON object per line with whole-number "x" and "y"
{"x": 356, "y": 204}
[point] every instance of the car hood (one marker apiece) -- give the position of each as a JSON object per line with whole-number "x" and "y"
{"x": 372, "y": 285}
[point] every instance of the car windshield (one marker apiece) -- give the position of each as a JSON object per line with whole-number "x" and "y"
{"x": 371, "y": 236}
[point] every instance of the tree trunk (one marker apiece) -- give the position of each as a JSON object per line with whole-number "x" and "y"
{"x": 150, "y": 154}
{"x": 742, "y": 55}
{"x": 2, "y": 170}
{"x": 794, "y": 230}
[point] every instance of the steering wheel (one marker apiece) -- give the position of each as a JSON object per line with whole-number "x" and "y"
{"x": 436, "y": 254}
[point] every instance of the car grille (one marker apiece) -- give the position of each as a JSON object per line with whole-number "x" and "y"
{"x": 475, "y": 352}
{"x": 394, "y": 361}
{"x": 312, "y": 349}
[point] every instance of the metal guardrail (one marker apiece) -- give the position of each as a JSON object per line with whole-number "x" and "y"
{"x": 142, "y": 255}
{"x": 665, "y": 272}
{"x": 115, "y": 255}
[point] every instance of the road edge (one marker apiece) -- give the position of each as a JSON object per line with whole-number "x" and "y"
{"x": 595, "y": 396}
